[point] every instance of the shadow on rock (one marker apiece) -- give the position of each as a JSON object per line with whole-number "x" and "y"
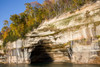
{"x": 40, "y": 55}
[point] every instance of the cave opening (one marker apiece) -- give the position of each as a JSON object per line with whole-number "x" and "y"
{"x": 40, "y": 55}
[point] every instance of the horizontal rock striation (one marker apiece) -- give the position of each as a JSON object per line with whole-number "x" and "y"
{"x": 68, "y": 38}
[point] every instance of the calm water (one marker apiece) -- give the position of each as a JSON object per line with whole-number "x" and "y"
{"x": 48, "y": 65}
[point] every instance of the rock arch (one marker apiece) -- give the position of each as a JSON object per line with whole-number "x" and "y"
{"x": 39, "y": 54}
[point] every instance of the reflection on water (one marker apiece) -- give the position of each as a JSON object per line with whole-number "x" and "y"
{"x": 49, "y": 65}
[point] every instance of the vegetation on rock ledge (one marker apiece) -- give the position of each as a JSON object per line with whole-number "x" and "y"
{"x": 33, "y": 16}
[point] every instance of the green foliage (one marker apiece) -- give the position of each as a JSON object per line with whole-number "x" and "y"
{"x": 78, "y": 19}
{"x": 87, "y": 14}
{"x": 0, "y": 35}
{"x": 98, "y": 36}
{"x": 5, "y": 22}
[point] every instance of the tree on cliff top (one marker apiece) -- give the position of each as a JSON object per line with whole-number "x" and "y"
{"x": 33, "y": 16}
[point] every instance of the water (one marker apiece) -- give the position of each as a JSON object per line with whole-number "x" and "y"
{"x": 50, "y": 65}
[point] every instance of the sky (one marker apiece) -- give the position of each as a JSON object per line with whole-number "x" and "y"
{"x": 10, "y": 7}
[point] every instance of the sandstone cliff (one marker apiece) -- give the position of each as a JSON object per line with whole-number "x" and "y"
{"x": 71, "y": 37}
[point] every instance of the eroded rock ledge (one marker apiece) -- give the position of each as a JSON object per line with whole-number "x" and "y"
{"x": 73, "y": 38}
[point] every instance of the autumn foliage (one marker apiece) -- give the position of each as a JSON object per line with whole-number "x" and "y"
{"x": 33, "y": 16}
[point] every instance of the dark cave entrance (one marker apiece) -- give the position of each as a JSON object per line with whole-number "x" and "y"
{"x": 40, "y": 55}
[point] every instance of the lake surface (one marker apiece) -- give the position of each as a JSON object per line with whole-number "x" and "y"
{"x": 49, "y": 65}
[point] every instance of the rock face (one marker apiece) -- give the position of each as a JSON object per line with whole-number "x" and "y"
{"x": 85, "y": 53}
{"x": 16, "y": 53}
{"x": 1, "y": 52}
{"x": 39, "y": 54}
{"x": 70, "y": 37}
{"x": 45, "y": 53}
